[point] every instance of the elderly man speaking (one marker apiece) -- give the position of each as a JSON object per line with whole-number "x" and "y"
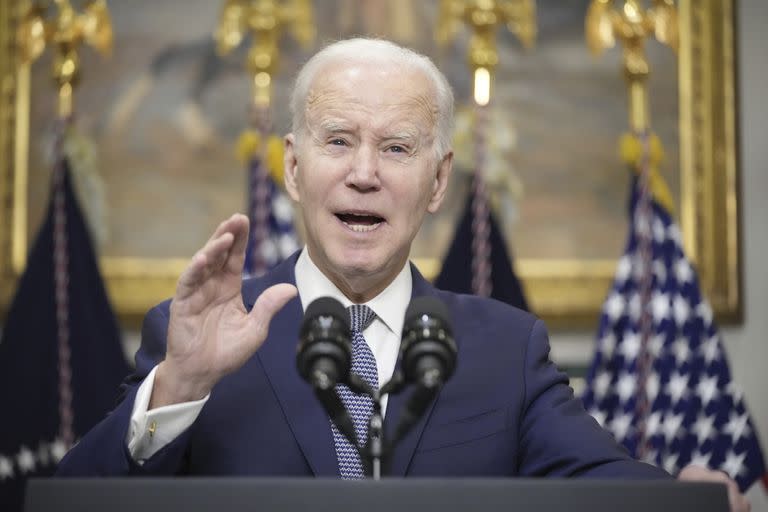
{"x": 216, "y": 390}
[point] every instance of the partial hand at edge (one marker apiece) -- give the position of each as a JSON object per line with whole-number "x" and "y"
{"x": 210, "y": 333}
{"x": 738, "y": 502}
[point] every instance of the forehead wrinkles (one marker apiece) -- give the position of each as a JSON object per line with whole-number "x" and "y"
{"x": 331, "y": 109}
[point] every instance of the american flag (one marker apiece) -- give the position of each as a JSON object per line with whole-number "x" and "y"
{"x": 660, "y": 380}
{"x": 272, "y": 236}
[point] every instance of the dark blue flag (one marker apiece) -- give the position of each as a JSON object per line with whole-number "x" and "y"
{"x": 660, "y": 380}
{"x": 456, "y": 274}
{"x": 272, "y": 237}
{"x": 61, "y": 360}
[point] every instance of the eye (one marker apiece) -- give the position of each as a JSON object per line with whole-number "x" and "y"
{"x": 337, "y": 141}
{"x": 396, "y": 148}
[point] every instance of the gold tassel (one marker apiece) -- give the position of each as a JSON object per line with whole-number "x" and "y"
{"x": 249, "y": 144}
{"x": 632, "y": 152}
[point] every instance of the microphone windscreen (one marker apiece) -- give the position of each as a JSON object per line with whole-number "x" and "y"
{"x": 426, "y": 306}
{"x": 327, "y": 306}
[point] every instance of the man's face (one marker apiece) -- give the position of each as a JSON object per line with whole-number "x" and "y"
{"x": 365, "y": 171}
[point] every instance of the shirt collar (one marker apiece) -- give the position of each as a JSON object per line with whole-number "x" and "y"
{"x": 389, "y": 305}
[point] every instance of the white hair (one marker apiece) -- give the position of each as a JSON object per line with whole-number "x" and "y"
{"x": 365, "y": 50}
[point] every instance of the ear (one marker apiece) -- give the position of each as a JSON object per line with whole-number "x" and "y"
{"x": 291, "y": 167}
{"x": 441, "y": 182}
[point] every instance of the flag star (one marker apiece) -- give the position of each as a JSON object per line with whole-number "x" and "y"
{"x": 624, "y": 269}
{"x": 660, "y": 306}
{"x": 683, "y": 271}
{"x": 650, "y": 456}
{"x": 700, "y": 459}
{"x": 601, "y": 384}
{"x": 629, "y": 346}
{"x": 734, "y": 392}
{"x": 670, "y": 463}
{"x": 652, "y": 386}
{"x": 653, "y": 424}
{"x": 43, "y": 454}
{"x": 660, "y": 271}
{"x": 268, "y": 250}
{"x": 282, "y": 209}
{"x": 26, "y": 460}
{"x": 625, "y": 387}
{"x": 6, "y": 468}
{"x": 681, "y": 310}
{"x": 704, "y": 428}
{"x": 288, "y": 244}
{"x": 710, "y": 349}
{"x": 677, "y": 387}
{"x": 607, "y": 344}
{"x": 671, "y": 425}
{"x": 635, "y": 307}
{"x": 681, "y": 350}
{"x": 734, "y": 464}
{"x": 599, "y": 415}
{"x": 620, "y": 425}
{"x": 659, "y": 233}
{"x": 704, "y": 311}
{"x": 58, "y": 450}
{"x": 673, "y": 233}
{"x": 614, "y": 306}
{"x": 737, "y": 426}
{"x": 707, "y": 389}
{"x": 656, "y": 344}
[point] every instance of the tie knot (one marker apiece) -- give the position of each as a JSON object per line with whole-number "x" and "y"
{"x": 360, "y": 317}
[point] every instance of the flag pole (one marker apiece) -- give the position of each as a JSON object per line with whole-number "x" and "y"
{"x": 258, "y": 147}
{"x": 483, "y": 19}
{"x": 65, "y": 33}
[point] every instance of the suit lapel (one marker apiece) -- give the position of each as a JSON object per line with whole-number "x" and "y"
{"x": 305, "y": 416}
{"x": 404, "y": 451}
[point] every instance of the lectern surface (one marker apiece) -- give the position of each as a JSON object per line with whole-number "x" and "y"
{"x": 389, "y": 495}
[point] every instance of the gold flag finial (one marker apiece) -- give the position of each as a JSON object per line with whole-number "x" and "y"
{"x": 265, "y": 20}
{"x": 484, "y": 17}
{"x": 631, "y": 24}
{"x": 65, "y": 32}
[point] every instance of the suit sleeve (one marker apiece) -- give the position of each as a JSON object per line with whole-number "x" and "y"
{"x": 557, "y": 436}
{"x": 103, "y": 451}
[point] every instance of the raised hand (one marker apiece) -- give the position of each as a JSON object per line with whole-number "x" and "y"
{"x": 738, "y": 502}
{"x": 210, "y": 333}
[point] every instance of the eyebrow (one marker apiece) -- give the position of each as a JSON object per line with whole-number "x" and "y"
{"x": 333, "y": 126}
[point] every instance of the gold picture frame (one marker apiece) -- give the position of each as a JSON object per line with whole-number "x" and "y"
{"x": 566, "y": 293}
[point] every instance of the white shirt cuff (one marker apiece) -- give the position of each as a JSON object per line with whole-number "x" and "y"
{"x": 150, "y": 431}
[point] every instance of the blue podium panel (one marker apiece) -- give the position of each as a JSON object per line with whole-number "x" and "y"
{"x": 389, "y": 495}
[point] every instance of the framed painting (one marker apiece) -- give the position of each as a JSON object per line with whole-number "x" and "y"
{"x": 165, "y": 112}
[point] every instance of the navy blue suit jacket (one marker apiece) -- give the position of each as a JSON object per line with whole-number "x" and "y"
{"x": 507, "y": 410}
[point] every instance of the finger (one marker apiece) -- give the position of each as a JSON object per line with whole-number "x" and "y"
{"x": 267, "y": 305}
{"x": 240, "y": 230}
{"x": 203, "y": 264}
{"x": 227, "y": 225}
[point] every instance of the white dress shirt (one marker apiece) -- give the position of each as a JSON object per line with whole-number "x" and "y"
{"x": 149, "y": 431}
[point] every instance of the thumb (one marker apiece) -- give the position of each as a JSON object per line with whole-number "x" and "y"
{"x": 268, "y": 304}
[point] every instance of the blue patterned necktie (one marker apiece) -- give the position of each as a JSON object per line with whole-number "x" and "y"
{"x": 360, "y": 407}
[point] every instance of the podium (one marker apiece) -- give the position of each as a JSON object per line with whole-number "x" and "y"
{"x": 228, "y": 494}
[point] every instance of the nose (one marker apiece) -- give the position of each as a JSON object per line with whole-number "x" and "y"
{"x": 364, "y": 170}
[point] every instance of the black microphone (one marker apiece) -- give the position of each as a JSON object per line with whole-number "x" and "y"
{"x": 428, "y": 349}
{"x": 324, "y": 358}
{"x": 428, "y": 355}
{"x": 325, "y": 348}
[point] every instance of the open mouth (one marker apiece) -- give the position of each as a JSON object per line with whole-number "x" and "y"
{"x": 360, "y": 222}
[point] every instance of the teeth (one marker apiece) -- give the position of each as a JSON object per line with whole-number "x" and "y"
{"x": 362, "y": 228}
